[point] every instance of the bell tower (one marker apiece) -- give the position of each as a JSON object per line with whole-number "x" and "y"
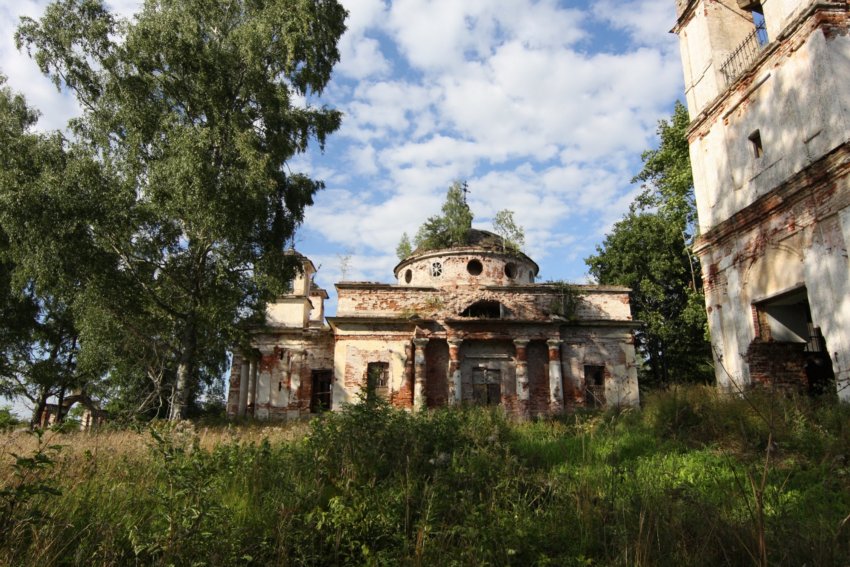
{"x": 767, "y": 91}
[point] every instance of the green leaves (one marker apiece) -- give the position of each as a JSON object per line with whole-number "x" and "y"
{"x": 649, "y": 251}
{"x": 166, "y": 219}
{"x": 404, "y": 248}
{"x": 452, "y": 227}
{"x": 513, "y": 235}
{"x": 667, "y": 179}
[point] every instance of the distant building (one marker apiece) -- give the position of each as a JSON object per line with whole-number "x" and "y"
{"x": 91, "y": 417}
{"x": 464, "y": 325}
{"x": 768, "y": 90}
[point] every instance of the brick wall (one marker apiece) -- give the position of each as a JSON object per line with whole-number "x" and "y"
{"x": 777, "y": 365}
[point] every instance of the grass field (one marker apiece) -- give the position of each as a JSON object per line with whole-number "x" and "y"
{"x": 693, "y": 478}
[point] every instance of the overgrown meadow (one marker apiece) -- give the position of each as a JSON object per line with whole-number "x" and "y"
{"x": 693, "y": 478}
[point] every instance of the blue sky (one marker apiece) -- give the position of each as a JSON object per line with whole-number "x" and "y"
{"x": 543, "y": 107}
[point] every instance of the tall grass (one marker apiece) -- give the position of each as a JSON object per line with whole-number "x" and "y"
{"x": 693, "y": 478}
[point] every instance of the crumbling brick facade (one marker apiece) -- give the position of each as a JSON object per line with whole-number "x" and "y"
{"x": 465, "y": 325}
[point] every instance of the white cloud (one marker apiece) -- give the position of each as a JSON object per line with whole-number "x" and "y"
{"x": 361, "y": 57}
{"x": 647, "y": 21}
{"x": 514, "y": 96}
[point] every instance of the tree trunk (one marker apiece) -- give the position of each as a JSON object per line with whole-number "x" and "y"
{"x": 38, "y": 411}
{"x": 180, "y": 398}
{"x": 60, "y": 417}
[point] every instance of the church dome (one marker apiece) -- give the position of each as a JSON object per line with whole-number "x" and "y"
{"x": 482, "y": 260}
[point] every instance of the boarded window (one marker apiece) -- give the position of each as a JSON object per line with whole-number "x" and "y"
{"x": 486, "y": 386}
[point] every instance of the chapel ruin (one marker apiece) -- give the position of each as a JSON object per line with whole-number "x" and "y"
{"x": 768, "y": 91}
{"x": 461, "y": 325}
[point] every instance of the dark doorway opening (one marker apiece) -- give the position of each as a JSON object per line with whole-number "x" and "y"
{"x": 785, "y": 322}
{"x": 320, "y": 400}
{"x": 594, "y": 386}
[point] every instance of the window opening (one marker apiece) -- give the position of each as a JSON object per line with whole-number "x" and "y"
{"x": 510, "y": 270}
{"x": 594, "y": 385}
{"x": 474, "y": 268}
{"x": 748, "y": 50}
{"x": 755, "y": 142}
{"x": 377, "y": 379}
{"x": 486, "y": 386}
{"x": 759, "y": 23}
{"x": 484, "y": 308}
{"x": 321, "y": 396}
{"x": 436, "y": 269}
{"x": 408, "y": 275}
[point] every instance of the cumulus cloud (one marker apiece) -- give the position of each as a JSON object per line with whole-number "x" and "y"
{"x": 544, "y": 108}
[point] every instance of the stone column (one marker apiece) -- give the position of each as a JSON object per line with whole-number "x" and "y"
{"x": 455, "y": 389}
{"x": 556, "y": 377}
{"x": 523, "y": 392}
{"x": 252, "y": 384}
{"x": 263, "y": 388}
{"x": 243, "y": 387}
{"x": 285, "y": 383}
{"x": 406, "y": 391}
{"x": 419, "y": 374}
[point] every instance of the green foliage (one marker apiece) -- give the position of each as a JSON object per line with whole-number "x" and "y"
{"x": 513, "y": 235}
{"x": 404, "y": 248}
{"x": 165, "y": 219}
{"x": 8, "y": 420}
{"x": 670, "y": 484}
{"x": 668, "y": 182}
{"x": 38, "y": 336}
{"x": 649, "y": 251}
{"x": 451, "y": 228}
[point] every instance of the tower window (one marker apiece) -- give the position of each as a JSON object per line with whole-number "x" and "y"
{"x": 510, "y": 270}
{"x": 755, "y": 143}
{"x": 474, "y": 267}
{"x": 436, "y": 269}
{"x": 408, "y": 275}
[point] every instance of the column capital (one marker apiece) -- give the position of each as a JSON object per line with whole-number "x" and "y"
{"x": 554, "y": 343}
{"x": 454, "y": 341}
{"x": 420, "y": 342}
{"x": 521, "y": 342}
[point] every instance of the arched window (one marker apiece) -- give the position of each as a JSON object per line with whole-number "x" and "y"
{"x": 486, "y": 309}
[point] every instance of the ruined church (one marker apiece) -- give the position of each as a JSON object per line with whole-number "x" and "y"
{"x": 768, "y": 91}
{"x": 460, "y": 325}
